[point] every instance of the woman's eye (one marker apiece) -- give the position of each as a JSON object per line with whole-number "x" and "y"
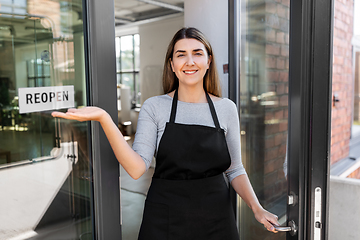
{"x": 199, "y": 54}
{"x": 180, "y": 55}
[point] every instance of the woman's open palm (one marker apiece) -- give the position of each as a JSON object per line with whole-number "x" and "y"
{"x": 82, "y": 114}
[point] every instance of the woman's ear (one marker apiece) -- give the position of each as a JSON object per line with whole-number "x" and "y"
{"x": 172, "y": 65}
{"x": 209, "y": 61}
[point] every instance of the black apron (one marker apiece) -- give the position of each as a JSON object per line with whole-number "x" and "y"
{"x": 188, "y": 198}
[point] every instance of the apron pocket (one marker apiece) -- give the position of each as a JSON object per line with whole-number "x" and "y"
{"x": 155, "y": 222}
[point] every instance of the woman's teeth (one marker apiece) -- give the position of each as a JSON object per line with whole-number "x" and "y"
{"x": 190, "y": 72}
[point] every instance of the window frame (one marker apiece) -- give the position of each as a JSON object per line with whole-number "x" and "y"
{"x": 135, "y": 101}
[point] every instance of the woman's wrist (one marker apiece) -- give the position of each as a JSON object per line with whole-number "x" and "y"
{"x": 104, "y": 117}
{"x": 256, "y": 207}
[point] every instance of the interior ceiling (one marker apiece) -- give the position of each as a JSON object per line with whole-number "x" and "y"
{"x": 127, "y": 13}
{"x": 135, "y": 11}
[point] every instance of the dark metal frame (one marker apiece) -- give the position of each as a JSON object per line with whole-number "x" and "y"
{"x": 234, "y": 50}
{"x": 321, "y": 109}
{"x": 234, "y": 63}
{"x": 100, "y": 62}
{"x": 310, "y": 111}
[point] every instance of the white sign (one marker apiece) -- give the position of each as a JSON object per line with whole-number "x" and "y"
{"x": 38, "y": 99}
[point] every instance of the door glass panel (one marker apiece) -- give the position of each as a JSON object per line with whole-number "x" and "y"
{"x": 45, "y": 169}
{"x": 128, "y": 80}
{"x": 127, "y": 54}
{"x": 264, "y": 110}
{"x": 137, "y": 51}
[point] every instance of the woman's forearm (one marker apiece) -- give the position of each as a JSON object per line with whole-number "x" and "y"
{"x": 242, "y": 186}
{"x": 127, "y": 157}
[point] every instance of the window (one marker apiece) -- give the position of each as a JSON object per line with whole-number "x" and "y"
{"x": 38, "y": 72}
{"x": 13, "y": 6}
{"x": 128, "y": 65}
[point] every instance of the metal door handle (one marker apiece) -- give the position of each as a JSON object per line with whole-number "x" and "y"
{"x": 282, "y": 229}
{"x": 292, "y": 228}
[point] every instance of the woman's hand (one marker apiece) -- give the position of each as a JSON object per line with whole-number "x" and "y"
{"x": 82, "y": 114}
{"x": 266, "y": 218}
{"x": 242, "y": 186}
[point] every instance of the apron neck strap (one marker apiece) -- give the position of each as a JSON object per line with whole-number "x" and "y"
{"x": 213, "y": 112}
{"x": 210, "y": 102}
{"x": 174, "y": 106}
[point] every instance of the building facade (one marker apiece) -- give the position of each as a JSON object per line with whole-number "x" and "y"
{"x": 61, "y": 178}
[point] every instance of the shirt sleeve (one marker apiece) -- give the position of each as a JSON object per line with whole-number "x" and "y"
{"x": 146, "y": 133}
{"x": 234, "y": 144}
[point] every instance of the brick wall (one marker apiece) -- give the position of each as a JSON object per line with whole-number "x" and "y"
{"x": 342, "y": 84}
{"x": 355, "y": 174}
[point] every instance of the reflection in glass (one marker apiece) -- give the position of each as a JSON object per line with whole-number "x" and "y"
{"x": 128, "y": 65}
{"x": 128, "y": 80}
{"x": 127, "y": 54}
{"x": 137, "y": 51}
{"x": 264, "y": 109}
{"x": 118, "y": 61}
{"x": 45, "y": 170}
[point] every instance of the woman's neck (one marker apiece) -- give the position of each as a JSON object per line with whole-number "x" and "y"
{"x": 191, "y": 95}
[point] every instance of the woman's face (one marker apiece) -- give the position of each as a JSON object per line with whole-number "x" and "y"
{"x": 190, "y": 62}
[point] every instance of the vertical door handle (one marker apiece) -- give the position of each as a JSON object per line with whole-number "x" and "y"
{"x": 292, "y": 228}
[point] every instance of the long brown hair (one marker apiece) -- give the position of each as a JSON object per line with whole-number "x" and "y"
{"x": 211, "y": 78}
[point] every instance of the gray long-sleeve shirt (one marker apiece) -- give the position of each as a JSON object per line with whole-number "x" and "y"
{"x": 155, "y": 113}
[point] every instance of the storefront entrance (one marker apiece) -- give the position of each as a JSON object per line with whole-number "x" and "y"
{"x": 60, "y": 180}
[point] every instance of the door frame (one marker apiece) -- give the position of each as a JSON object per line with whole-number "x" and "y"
{"x": 100, "y": 61}
{"x": 310, "y": 101}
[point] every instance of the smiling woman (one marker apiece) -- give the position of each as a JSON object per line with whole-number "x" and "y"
{"x": 196, "y": 138}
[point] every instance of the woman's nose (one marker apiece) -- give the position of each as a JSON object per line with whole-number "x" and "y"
{"x": 190, "y": 61}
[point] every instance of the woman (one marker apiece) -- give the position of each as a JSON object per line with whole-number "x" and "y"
{"x": 195, "y": 136}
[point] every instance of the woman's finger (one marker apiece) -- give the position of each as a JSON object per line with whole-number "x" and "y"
{"x": 268, "y": 225}
{"x": 72, "y": 110}
{"x": 269, "y": 220}
{"x": 57, "y": 114}
{"x": 273, "y": 219}
{"x": 67, "y": 115}
{"x": 82, "y": 114}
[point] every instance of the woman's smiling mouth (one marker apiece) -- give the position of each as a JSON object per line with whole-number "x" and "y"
{"x": 190, "y": 71}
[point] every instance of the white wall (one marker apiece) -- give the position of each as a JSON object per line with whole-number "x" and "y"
{"x": 356, "y": 17}
{"x": 154, "y": 40}
{"x": 344, "y": 208}
{"x": 211, "y": 18}
{"x": 29, "y": 190}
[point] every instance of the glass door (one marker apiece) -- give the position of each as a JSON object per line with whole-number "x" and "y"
{"x": 283, "y": 50}
{"x": 45, "y": 170}
{"x": 264, "y": 109}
